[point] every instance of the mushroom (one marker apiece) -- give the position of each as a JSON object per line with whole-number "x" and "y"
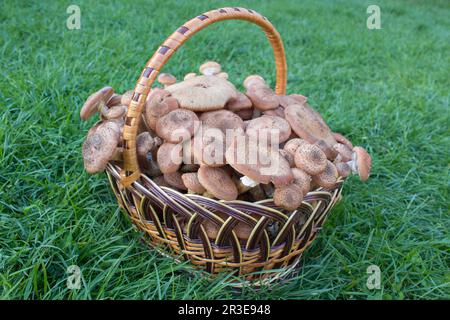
{"x": 328, "y": 177}
{"x": 145, "y": 145}
{"x": 279, "y": 112}
{"x": 223, "y": 120}
{"x": 245, "y": 114}
{"x": 329, "y": 151}
{"x": 210, "y": 68}
{"x": 95, "y": 102}
{"x": 288, "y": 197}
{"x": 289, "y": 157}
{"x": 115, "y": 100}
{"x": 254, "y": 80}
{"x": 244, "y": 183}
{"x": 150, "y": 121}
{"x": 341, "y": 139}
{"x": 263, "y": 97}
{"x": 302, "y": 179}
{"x": 100, "y": 147}
{"x": 361, "y": 163}
{"x": 192, "y": 183}
{"x": 209, "y": 147}
{"x": 177, "y": 126}
{"x": 174, "y": 180}
{"x": 115, "y": 112}
{"x": 343, "y": 169}
{"x": 310, "y": 158}
{"x": 169, "y": 157}
{"x": 344, "y": 152}
{"x": 203, "y": 93}
{"x": 222, "y": 75}
{"x": 190, "y": 76}
{"x": 241, "y": 102}
{"x": 166, "y": 79}
{"x": 260, "y": 163}
{"x": 301, "y": 99}
{"x": 308, "y": 125}
{"x": 126, "y": 98}
{"x": 218, "y": 183}
{"x": 160, "y": 103}
{"x": 292, "y": 145}
{"x": 269, "y": 125}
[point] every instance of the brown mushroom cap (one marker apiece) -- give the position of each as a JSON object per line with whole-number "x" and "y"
{"x": 169, "y": 157}
{"x": 286, "y": 101}
{"x": 203, "y": 93}
{"x": 263, "y": 97}
{"x": 166, "y": 79}
{"x": 301, "y": 99}
{"x": 288, "y": 197}
{"x": 343, "y": 169}
{"x": 307, "y": 124}
{"x": 115, "y": 112}
{"x": 177, "y": 126}
{"x": 192, "y": 183}
{"x": 345, "y": 153}
{"x": 253, "y": 80}
{"x": 95, "y": 102}
{"x": 279, "y": 112}
{"x": 223, "y": 120}
{"x": 99, "y": 147}
{"x": 209, "y": 147}
{"x": 160, "y": 103}
{"x": 126, "y": 98}
{"x": 190, "y": 75}
{"x": 302, "y": 179}
{"x": 289, "y": 157}
{"x": 222, "y": 75}
{"x": 310, "y": 158}
{"x": 329, "y": 151}
{"x": 174, "y": 180}
{"x": 266, "y": 125}
{"x": 210, "y": 68}
{"x": 115, "y": 100}
{"x": 292, "y": 145}
{"x": 217, "y": 182}
{"x": 363, "y": 162}
{"x": 241, "y": 102}
{"x": 246, "y": 114}
{"x": 328, "y": 177}
{"x": 341, "y": 139}
{"x": 258, "y": 162}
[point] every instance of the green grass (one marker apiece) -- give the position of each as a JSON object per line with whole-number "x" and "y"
{"x": 388, "y": 90}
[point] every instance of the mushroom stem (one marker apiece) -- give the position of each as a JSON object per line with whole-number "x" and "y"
{"x": 245, "y": 184}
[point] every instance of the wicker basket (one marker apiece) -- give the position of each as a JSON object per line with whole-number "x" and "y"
{"x": 265, "y": 255}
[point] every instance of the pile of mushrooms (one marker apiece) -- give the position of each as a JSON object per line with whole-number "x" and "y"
{"x": 200, "y": 134}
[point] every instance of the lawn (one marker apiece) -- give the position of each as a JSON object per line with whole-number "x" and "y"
{"x": 387, "y": 89}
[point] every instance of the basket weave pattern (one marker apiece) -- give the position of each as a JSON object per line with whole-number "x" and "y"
{"x": 277, "y": 238}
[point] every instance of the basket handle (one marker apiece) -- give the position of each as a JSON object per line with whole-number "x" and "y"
{"x": 131, "y": 171}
